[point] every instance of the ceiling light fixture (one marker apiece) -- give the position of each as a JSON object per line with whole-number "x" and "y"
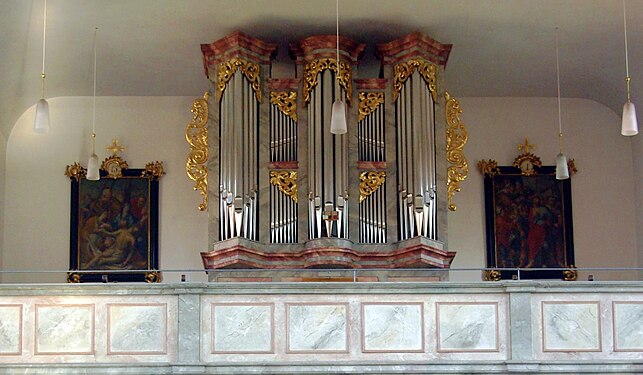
{"x": 629, "y": 126}
{"x": 41, "y": 121}
{"x": 338, "y": 113}
{"x": 93, "y": 170}
{"x": 562, "y": 171}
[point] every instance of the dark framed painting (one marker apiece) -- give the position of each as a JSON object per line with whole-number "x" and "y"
{"x": 528, "y": 214}
{"x": 114, "y": 223}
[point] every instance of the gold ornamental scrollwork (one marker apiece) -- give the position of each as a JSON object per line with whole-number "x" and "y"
{"x": 492, "y": 275}
{"x": 75, "y": 171}
{"x": 312, "y": 69}
{"x": 457, "y": 137}
{"x": 368, "y": 102}
{"x": 196, "y": 135}
{"x": 152, "y": 277}
{"x": 570, "y": 274}
{"x": 114, "y": 164}
{"x": 527, "y": 161}
{"x": 488, "y": 167}
{"x": 153, "y": 170}
{"x": 370, "y": 182}
{"x": 73, "y": 278}
{"x": 402, "y": 72}
{"x": 286, "y": 181}
{"x": 250, "y": 70}
{"x": 286, "y": 102}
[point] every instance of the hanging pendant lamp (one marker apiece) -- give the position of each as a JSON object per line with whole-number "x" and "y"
{"x": 41, "y": 120}
{"x": 338, "y": 113}
{"x": 93, "y": 168}
{"x": 629, "y": 125}
{"x": 562, "y": 170}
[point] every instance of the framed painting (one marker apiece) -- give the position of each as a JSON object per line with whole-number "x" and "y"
{"x": 528, "y": 214}
{"x": 114, "y": 223}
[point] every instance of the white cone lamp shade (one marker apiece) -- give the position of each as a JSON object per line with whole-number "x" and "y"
{"x": 93, "y": 173}
{"x": 338, "y": 118}
{"x": 562, "y": 171}
{"x": 630, "y": 126}
{"x": 41, "y": 121}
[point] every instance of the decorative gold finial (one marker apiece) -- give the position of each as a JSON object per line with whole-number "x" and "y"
{"x": 115, "y": 147}
{"x": 526, "y": 147}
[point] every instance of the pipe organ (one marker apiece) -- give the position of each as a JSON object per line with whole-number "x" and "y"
{"x": 282, "y": 191}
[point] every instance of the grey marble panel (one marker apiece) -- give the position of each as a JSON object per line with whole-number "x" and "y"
{"x": 571, "y": 326}
{"x": 137, "y": 329}
{"x": 628, "y": 326}
{"x": 392, "y": 327}
{"x": 242, "y": 328}
{"x": 64, "y": 329}
{"x": 317, "y": 327}
{"x": 467, "y": 327}
{"x": 10, "y": 329}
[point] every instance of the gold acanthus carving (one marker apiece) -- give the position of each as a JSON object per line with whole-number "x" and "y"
{"x": 75, "y": 171}
{"x": 570, "y": 274}
{"x": 488, "y": 167}
{"x": 286, "y": 181}
{"x": 313, "y": 68}
{"x": 368, "y": 102}
{"x": 402, "y": 71}
{"x": 371, "y": 181}
{"x": 457, "y": 137}
{"x": 152, "y": 277}
{"x": 154, "y": 170}
{"x": 492, "y": 275}
{"x": 286, "y": 102}
{"x": 197, "y": 137}
{"x": 250, "y": 70}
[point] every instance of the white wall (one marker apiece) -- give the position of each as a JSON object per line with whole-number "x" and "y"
{"x": 3, "y": 163}
{"x": 38, "y": 192}
{"x": 602, "y": 190}
{"x": 153, "y": 128}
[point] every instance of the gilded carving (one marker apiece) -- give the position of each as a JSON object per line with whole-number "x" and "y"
{"x": 368, "y": 102}
{"x": 286, "y": 102}
{"x": 488, "y": 167}
{"x": 402, "y": 71}
{"x": 196, "y": 135}
{"x": 312, "y": 69}
{"x": 492, "y": 275}
{"x": 250, "y": 70}
{"x": 152, "y": 277}
{"x": 114, "y": 164}
{"x": 457, "y": 137}
{"x": 154, "y": 170}
{"x": 73, "y": 278}
{"x": 570, "y": 274}
{"x": 371, "y": 181}
{"x": 75, "y": 171}
{"x": 286, "y": 181}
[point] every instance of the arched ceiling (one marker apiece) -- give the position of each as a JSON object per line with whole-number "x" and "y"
{"x": 151, "y": 47}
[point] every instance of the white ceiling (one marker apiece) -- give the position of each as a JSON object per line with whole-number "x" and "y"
{"x": 152, "y": 47}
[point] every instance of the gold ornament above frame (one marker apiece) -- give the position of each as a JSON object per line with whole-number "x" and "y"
{"x": 114, "y": 221}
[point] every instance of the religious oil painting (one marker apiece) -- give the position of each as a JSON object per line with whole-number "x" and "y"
{"x": 528, "y": 220}
{"x": 114, "y": 224}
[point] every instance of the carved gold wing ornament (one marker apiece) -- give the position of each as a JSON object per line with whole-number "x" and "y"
{"x": 286, "y": 181}
{"x": 368, "y": 102}
{"x": 196, "y": 135}
{"x": 286, "y": 102}
{"x": 457, "y": 137}
{"x": 250, "y": 70}
{"x": 313, "y": 68}
{"x": 370, "y": 182}
{"x": 404, "y": 70}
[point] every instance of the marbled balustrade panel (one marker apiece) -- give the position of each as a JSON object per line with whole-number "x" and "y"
{"x": 467, "y": 326}
{"x": 571, "y": 326}
{"x": 64, "y": 329}
{"x": 317, "y": 327}
{"x": 392, "y": 327}
{"x": 242, "y": 328}
{"x": 137, "y": 328}
{"x": 628, "y": 326}
{"x": 10, "y": 329}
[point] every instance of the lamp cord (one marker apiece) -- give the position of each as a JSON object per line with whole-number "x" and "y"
{"x": 560, "y": 122}
{"x": 44, "y": 44}
{"x": 627, "y": 63}
{"x": 339, "y": 94}
{"x": 94, "y": 99}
